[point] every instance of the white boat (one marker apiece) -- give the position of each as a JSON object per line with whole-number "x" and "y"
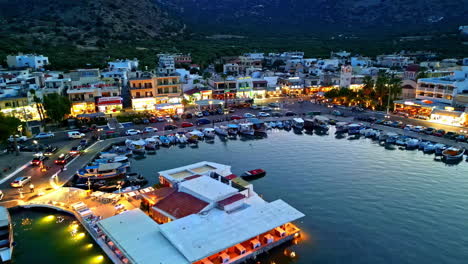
{"x": 439, "y": 148}
{"x": 232, "y": 129}
{"x": 453, "y": 154}
{"x": 279, "y": 124}
{"x": 182, "y": 139}
{"x": 151, "y": 143}
{"x": 6, "y": 236}
{"x": 157, "y": 140}
{"x": 209, "y": 132}
{"x": 401, "y": 141}
{"x": 221, "y": 130}
{"x": 103, "y": 170}
{"x": 372, "y": 133}
{"x": 246, "y": 129}
{"x": 298, "y": 123}
{"x": 354, "y": 129}
{"x": 341, "y": 127}
{"x": 412, "y": 143}
{"x": 392, "y": 138}
{"x": 272, "y": 124}
{"x": 137, "y": 146}
{"x": 429, "y": 148}
{"x": 197, "y": 133}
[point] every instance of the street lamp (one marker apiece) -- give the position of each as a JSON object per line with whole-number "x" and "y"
{"x": 89, "y": 184}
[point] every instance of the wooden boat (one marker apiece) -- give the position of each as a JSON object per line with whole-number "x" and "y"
{"x": 453, "y": 154}
{"x": 253, "y": 174}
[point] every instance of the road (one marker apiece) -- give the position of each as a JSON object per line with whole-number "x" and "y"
{"x": 41, "y": 180}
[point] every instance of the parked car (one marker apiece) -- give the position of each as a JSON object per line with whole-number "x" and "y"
{"x": 450, "y": 135}
{"x": 397, "y": 124}
{"x": 422, "y": 117}
{"x": 50, "y": 150}
{"x": 86, "y": 129}
{"x": 170, "y": 127}
{"x": 132, "y": 132}
{"x": 263, "y": 114}
{"x": 160, "y": 119}
{"x": 150, "y": 130}
{"x": 429, "y": 131}
{"x": 249, "y": 115}
{"x": 84, "y": 143}
{"x": 419, "y": 129}
{"x": 205, "y": 113}
{"x": 198, "y": 114}
{"x": 274, "y": 105}
{"x": 203, "y": 121}
{"x": 231, "y": 110}
{"x": 276, "y": 114}
{"x": 409, "y": 128}
{"x": 265, "y": 109}
{"x": 254, "y": 107}
{"x": 175, "y": 117}
{"x": 461, "y": 138}
{"x": 235, "y": 117}
{"x": 439, "y": 133}
{"x": 76, "y": 150}
{"x": 186, "y": 124}
{"x": 20, "y": 181}
{"x": 44, "y": 135}
{"x": 75, "y": 135}
{"x": 19, "y": 138}
{"x": 187, "y": 116}
{"x": 388, "y": 123}
{"x": 63, "y": 159}
{"x": 38, "y": 160}
{"x": 290, "y": 113}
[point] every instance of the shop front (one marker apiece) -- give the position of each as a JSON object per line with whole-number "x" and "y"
{"x": 416, "y": 108}
{"x": 109, "y": 105}
{"x": 210, "y": 104}
{"x": 83, "y": 108}
{"x": 448, "y": 117}
{"x": 24, "y": 113}
{"x": 169, "y": 109}
{"x": 143, "y": 104}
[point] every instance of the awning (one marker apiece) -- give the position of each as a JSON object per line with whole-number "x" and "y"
{"x": 110, "y": 100}
{"x": 209, "y": 102}
{"x": 456, "y": 114}
{"x": 98, "y": 114}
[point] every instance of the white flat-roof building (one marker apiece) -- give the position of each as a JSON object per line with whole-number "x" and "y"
{"x": 174, "y": 176}
{"x": 207, "y": 189}
{"x": 27, "y": 60}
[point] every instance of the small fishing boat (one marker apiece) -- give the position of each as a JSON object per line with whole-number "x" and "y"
{"x": 341, "y": 127}
{"x": 165, "y": 141}
{"x": 279, "y": 124}
{"x": 308, "y": 124}
{"x": 197, "y": 133}
{"x": 151, "y": 143}
{"x": 272, "y": 124}
{"x": 112, "y": 159}
{"x": 288, "y": 124}
{"x": 209, "y": 132}
{"x": 172, "y": 138}
{"x": 246, "y": 129}
{"x": 321, "y": 123}
{"x": 453, "y": 154}
{"x": 257, "y": 124}
{"x": 251, "y": 174}
{"x": 102, "y": 170}
{"x": 354, "y": 129}
{"x": 221, "y": 131}
{"x": 137, "y": 146}
{"x": 429, "y": 148}
{"x": 6, "y": 236}
{"x": 412, "y": 143}
{"x": 157, "y": 140}
{"x": 182, "y": 139}
{"x": 371, "y": 133}
{"x": 439, "y": 148}
{"x": 232, "y": 129}
{"x": 191, "y": 138}
{"x": 392, "y": 138}
{"x": 298, "y": 123}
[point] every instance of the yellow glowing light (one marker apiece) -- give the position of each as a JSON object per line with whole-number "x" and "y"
{"x": 73, "y": 227}
{"x": 48, "y": 219}
{"x": 88, "y": 246}
{"x": 293, "y": 254}
{"x": 80, "y": 235}
{"x": 97, "y": 259}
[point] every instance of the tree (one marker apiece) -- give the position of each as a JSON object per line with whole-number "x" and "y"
{"x": 381, "y": 88}
{"x": 9, "y": 126}
{"x": 369, "y": 84}
{"x": 395, "y": 88}
{"x": 38, "y": 103}
{"x": 56, "y": 106}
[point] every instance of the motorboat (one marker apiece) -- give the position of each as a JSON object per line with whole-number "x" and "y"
{"x": 251, "y": 174}
{"x": 272, "y": 124}
{"x": 157, "y": 140}
{"x": 221, "y": 131}
{"x": 112, "y": 159}
{"x": 341, "y": 127}
{"x": 209, "y": 132}
{"x": 103, "y": 170}
{"x": 232, "y": 129}
{"x": 182, "y": 139}
{"x": 372, "y": 133}
{"x": 288, "y": 124}
{"x": 321, "y": 123}
{"x": 453, "y": 154}
{"x": 246, "y": 128}
{"x": 412, "y": 143}
{"x": 392, "y": 138}
{"x": 172, "y": 138}
{"x": 422, "y": 144}
{"x": 401, "y": 141}
{"x": 151, "y": 143}
{"x": 384, "y": 136}
{"x": 119, "y": 150}
{"x": 354, "y": 129}
{"x": 6, "y": 236}
{"x": 258, "y": 125}
{"x": 279, "y": 124}
{"x": 308, "y": 124}
{"x": 191, "y": 138}
{"x": 165, "y": 141}
{"x": 298, "y": 123}
{"x": 137, "y": 146}
{"x": 429, "y": 148}
{"x": 439, "y": 148}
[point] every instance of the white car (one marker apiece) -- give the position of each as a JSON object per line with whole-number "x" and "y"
{"x": 263, "y": 114}
{"x": 249, "y": 115}
{"x": 255, "y": 107}
{"x": 18, "y": 138}
{"x": 132, "y": 132}
{"x": 44, "y": 135}
{"x": 266, "y": 109}
{"x": 150, "y": 130}
{"x": 20, "y": 181}
{"x": 409, "y": 128}
{"x": 198, "y": 114}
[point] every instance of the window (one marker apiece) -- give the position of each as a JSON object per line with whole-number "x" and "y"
{"x": 114, "y": 94}
{"x": 133, "y": 85}
{"x": 90, "y": 96}
{"x": 137, "y": 94}
{"x": 160, "y": 90}
{"x": 175, "y": 90}
{"x": 149, "y": 94}
{"x": 166, "y": 90}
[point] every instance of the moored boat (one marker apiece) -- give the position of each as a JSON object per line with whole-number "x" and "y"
{"x": 341, "y": 127}
{"x": 137, "y": 146}
{"x": 246, "y": 129}
{"x": 253, "y": 174}
{"x": 412, "y": 143}
{"x": 232, "y": 129}
{"x": 439, "y": 148}
{"x": 298, "y": 123}
{"x": 102, "y": 170}
{"x": 209, "y": 132}
{"x": 165, "y": 141}
{"x": 354, "y": 129}
{"x": 453, "y": 154}
{"x": 221, "y": 130}
{"x": 321, "y": 123}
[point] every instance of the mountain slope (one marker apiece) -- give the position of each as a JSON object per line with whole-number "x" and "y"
{"x": 85, "y": 21}
{"x": 339, "y": 16}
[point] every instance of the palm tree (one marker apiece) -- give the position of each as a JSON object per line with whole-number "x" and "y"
{"x": 395, "y": 88}
{"x": 38, "y": 103}
{"x": 381, "y": 87}
{"x": 368, "y": 85}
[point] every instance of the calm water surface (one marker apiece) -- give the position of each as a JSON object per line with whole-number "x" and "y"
{"x": 363, "y": 203}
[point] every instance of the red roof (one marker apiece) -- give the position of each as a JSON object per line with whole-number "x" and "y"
{"x": 181, "y": 204}
{"x": 231, "y": 176}
{"x": 158, "y": 194}
{"x": 236, "y": 197}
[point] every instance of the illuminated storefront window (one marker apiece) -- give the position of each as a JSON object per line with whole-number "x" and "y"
{"x": 143, "y": 104}
{"x": 83, "y": 108}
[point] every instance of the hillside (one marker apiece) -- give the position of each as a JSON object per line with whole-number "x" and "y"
{"x": 320, "y": 16}
{"x": 85, "y": 22}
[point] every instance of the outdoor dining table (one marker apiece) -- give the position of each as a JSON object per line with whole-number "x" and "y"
{"x": 97, "y": 194}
